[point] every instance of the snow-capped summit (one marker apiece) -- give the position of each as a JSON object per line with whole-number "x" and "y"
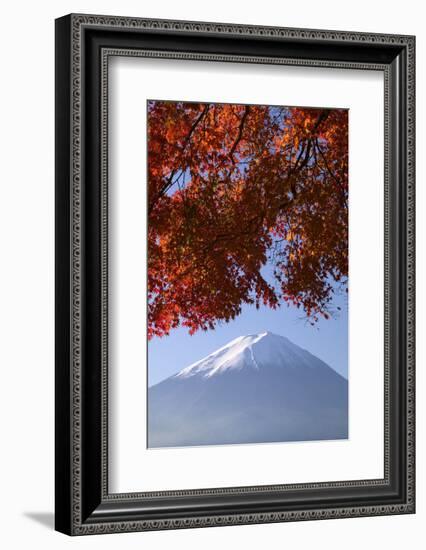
{"x": 257, "y": 388}
{"x": 253, "y": 351}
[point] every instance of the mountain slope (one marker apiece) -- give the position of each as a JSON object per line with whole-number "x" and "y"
{"x": 256, "y": 389}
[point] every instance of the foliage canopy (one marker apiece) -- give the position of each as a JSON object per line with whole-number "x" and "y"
{"x": 232, "y": 189}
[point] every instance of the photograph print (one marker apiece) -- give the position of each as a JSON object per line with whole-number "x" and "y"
{"x": 247, "y": 274}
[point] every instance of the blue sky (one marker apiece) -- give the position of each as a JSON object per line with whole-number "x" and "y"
{"x": 328, "y": 339}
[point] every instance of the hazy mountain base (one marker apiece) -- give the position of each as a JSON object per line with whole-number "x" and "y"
{"x": 303, "y": 399}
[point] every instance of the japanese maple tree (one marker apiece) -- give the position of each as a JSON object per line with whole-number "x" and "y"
{"x": 246, "y": 205}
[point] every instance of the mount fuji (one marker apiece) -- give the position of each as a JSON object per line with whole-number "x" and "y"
{"x": 256, "y": 389}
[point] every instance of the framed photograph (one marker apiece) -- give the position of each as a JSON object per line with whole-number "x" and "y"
{"x": 234, "y": 274}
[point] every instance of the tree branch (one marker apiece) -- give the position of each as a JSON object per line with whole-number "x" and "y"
{"x": 169, "y": 182}
{"x": 332, "y": 174}
{"x": 240, "y": 132}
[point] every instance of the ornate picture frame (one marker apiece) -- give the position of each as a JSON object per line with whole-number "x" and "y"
{"x": 84, "y": 46}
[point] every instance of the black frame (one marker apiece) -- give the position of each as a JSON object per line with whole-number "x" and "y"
{"x": 83, "y": 44}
